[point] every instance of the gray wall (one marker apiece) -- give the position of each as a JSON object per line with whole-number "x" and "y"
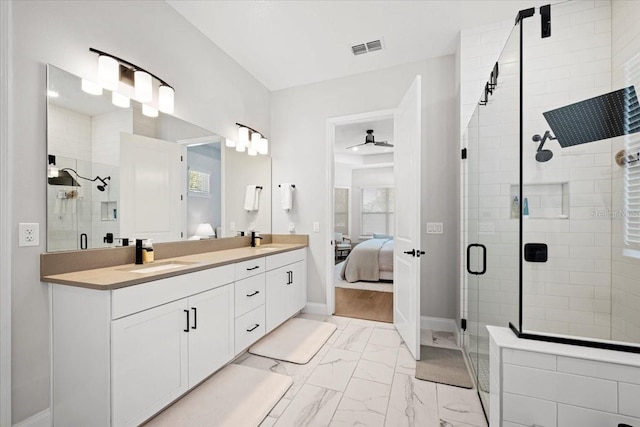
{"x": 212, "y": 91}
{"x": 299, "y": 125}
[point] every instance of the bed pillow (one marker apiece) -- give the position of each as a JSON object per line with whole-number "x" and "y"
{"x": 382, "y": 236}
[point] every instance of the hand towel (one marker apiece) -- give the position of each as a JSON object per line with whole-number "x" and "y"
{"x": 256, "y": 201}
{"x": 286, "y": 196}
{"x": 250, "y": 198}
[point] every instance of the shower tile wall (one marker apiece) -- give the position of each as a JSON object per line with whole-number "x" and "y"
{"x": 625, "y": 270}
{"x": 571, "y": 293}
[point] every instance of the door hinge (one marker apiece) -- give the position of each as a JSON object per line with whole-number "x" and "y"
{"x": 464, "y": 153}
{"x": 463, "y": 324}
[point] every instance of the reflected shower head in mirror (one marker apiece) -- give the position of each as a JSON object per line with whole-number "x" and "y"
{"x": 543, "y": 155}
{"x": 104, "y": 184}
{"x": 101, "y": 187}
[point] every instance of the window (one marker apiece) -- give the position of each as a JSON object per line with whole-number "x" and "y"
{"x": 199, "y": 183}
{"x": 341, "y": 210}
{"x": 377, "y": 211}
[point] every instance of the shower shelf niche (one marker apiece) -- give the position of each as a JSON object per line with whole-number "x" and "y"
{"x": 548, "y": 200}
{"x": 109, "y": 211}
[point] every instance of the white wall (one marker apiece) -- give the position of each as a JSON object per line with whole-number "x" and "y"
{"x": 212, "y": 91}
{"x": 299, "y": 120}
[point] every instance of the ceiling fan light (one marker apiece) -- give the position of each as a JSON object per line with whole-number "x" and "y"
{"x": 120, "y": 100}
{"x": 90, "y": 87}
{"x": 166, "y": 96}
{"x": 108, "y": 72}
{"x": 143, "y": 86}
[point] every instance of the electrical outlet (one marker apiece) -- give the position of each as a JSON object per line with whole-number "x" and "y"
{"x": 252, "y": 226}
{"x": 232, "y": 226}
{"x": 292, "y": 227}
{"x": 28, "y": 234}
{"x": 316, "y": 227}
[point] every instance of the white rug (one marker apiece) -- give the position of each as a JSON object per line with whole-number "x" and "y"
{"x": 235, "y": 396}
{"x": 365, "y": 286}
{"x": 296, "y": 340}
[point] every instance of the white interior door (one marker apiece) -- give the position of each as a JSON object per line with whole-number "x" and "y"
{"x": 406, "y": 257}
{"x": 152, "y": 181}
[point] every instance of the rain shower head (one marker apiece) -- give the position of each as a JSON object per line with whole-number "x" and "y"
{"x": 606, "y": 116}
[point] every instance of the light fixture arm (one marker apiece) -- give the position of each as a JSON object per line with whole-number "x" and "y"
{"x": 133, "y": 66}
{"x": 250, "y": 128}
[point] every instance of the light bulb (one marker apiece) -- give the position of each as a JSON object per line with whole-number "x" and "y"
{"x": 120, "y": 100}
{"x": 255, "y": 141}
{"x": 243, "y": 136}
{"x": 91, "y": 88}
{"x": 229, "y": 143}
{"x": 240, "y": 148}
{"x": 252, "y": 152}
{"x": 355, "y": 148}
{"x": 165, "y": 99}
{"x": 149, "y": 111}
{"x": 263, "y": 148}
{"x": 108, "y": 72}
{"x": 143, "y": 86}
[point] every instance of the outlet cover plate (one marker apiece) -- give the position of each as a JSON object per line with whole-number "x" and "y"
{"x": 28, "y": 234}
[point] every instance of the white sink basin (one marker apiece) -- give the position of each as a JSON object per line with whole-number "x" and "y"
{"x": 157, "y": 268}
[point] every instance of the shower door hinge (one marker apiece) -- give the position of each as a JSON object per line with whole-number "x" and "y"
{"x": 545, "y": 21}
{"x": 463, "y": 324}
{"x": 526, "y": 13}
{"x": 464, "y": 153}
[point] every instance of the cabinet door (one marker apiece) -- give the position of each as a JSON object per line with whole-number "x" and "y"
{"x": 149, "y": 362}
{"x": 299, "y": 286}
{"x": 211, "y": 332}
{"x": 278, "y": 292}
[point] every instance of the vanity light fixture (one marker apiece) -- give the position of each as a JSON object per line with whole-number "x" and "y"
{"x": 90, "y": 87}
{"x": 113, "y": 70}
{"x": 52, "y": 170}
{"x": 149, "y": 111}
{"x": 229, "y": 143}
{"x": 252, "y": 140}
{"x": 120, "y": 100}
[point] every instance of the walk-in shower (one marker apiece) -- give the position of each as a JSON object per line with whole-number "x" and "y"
{"x": 551, "y": 188}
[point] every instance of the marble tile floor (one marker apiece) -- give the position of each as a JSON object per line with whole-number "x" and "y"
{"x": 365, "y": 376}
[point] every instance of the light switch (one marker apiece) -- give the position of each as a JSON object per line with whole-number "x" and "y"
{"x": 232, "y": 226}
{"x": 316, "y": 227}
{"x": 435, "y": 228}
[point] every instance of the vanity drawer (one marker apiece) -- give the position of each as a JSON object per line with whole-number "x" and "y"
{"x": 133, "y": 299}
{"x": 285, "y": 258}
{"x": 249, "y": 328}
{"x": 249, "y": 268}
{"x": 249, "y": 294}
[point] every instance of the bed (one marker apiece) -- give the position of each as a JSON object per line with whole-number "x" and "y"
{"x": 371, "y": 261}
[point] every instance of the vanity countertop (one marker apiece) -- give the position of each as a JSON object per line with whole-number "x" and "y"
{"x": 121, "y": 276}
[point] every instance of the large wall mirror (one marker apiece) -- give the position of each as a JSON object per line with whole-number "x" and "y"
{"x": 116, "y": 173}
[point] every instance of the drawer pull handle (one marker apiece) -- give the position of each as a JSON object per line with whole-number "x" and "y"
{"x": 255, "y": 293}
{"x": 254, "y": 328}
{"x": 253, "y": 268}
{"x": 187, "y": 328}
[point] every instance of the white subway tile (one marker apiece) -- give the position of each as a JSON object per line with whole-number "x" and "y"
{"x": 559, "y": 387}
{"x": 629, "y": 395}
{"x": 529, "y": 359}
{"x": 572, "y": 416}
{"x": 529, "y": 411}
{"x": 608, "y": 371}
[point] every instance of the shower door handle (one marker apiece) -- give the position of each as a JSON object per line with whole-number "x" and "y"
{"x": 484, "y": 259}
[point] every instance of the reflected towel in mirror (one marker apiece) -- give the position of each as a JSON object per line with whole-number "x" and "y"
{"x": 252, "y": 198}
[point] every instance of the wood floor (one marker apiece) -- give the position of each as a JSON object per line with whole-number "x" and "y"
{"x": 369, "y": 305}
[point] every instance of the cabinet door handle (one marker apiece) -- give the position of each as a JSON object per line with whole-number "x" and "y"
{"x": 187, "y": 328}
{"x": 253, "y": 268}
{"x": 254, "y": 328}
{"x": 255, "y": 293}
{"x": 195, "y": 318}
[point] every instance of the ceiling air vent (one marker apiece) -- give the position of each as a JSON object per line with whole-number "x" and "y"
{"x": 359, "y": 49}
{"x": 371, "y": 46}
{"x": 374, "y": 45}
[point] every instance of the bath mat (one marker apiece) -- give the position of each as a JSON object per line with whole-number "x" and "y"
{"x": 296, "y": 340}
{"x": 235, "y": 396}
{"x": 443, "y": 365}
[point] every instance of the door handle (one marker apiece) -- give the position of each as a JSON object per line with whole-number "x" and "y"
{"x": 412, "y": 252}
{"x": 83, "y": 241}
{"x": 419, "y": 252}
{"x": 484, "y": 259}
{"x": 187, "y": 328}
{"x": 195, "y": 318}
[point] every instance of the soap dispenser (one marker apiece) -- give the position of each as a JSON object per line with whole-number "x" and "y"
{"x": 147, "y": 252}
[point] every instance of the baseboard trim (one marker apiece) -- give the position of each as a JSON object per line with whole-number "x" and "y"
{"x": 439, "y": 324}
{"x": 41, "y": 419}
{"x": 315, "y": 308}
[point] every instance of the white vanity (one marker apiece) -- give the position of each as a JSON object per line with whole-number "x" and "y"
{"x": 122, "y": 354}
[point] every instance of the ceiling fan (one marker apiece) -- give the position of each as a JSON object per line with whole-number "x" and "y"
{"x": 370, "y": 140}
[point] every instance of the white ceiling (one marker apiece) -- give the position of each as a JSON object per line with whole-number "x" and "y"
{"x": 291, "y": 43}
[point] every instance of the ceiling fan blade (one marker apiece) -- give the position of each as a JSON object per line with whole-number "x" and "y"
{"x": 357, "y": 145}
{"x": 383, "y": 144}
